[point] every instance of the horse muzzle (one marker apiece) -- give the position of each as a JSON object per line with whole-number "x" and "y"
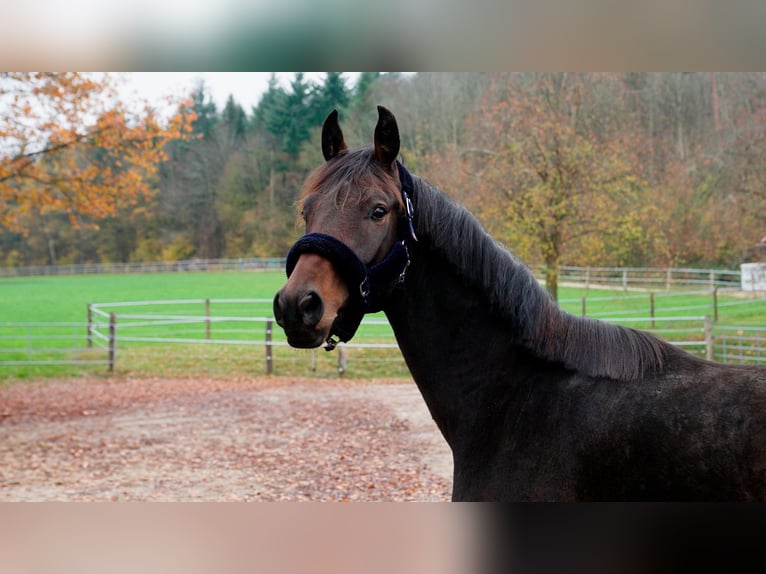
{"x": 309, "y": 303}
{"x": 299, "y": 315}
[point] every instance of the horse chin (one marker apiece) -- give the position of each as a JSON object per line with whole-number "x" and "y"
{"x": 307, "y": 340}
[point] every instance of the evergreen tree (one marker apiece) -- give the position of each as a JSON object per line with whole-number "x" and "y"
{"x": 204, "y": 107}
{"x": 332, "y": 94}
{"x": 362, "y": 88}
{"x": 270, "y": 114}
{"x": 298, "y": 116}
{"x": 233, "y": 117}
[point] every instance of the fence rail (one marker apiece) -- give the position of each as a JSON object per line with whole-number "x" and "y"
{"x": 741, "y": 345}
{"x": 241, "y": 264}
{"x": 248, "y": 322}
{"x": 52, "y": 344}
{"x": 697, "y": 334}
{"x": 645, "y": 277}
{"x": 624, "y": 277}
{"x": 196, "y": 322}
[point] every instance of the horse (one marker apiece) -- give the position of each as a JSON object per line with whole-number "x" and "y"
{"x": 535, "y": 403}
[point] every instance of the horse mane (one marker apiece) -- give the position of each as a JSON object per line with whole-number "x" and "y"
{"x": 592, "y": 347}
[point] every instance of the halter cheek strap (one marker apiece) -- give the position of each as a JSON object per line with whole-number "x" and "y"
{"x": 364, "y": 282}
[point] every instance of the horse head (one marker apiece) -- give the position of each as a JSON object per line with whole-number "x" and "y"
{"x": 357, "y": 216}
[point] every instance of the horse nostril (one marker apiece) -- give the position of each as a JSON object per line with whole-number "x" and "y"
{"x": 279, "y": 312}
{"x": 311, "y": 308}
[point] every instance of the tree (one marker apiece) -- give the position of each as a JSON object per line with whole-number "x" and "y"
{"x": 206, "y": 113}
{"x": 234, "y": 119}
{"x": 269, "y": 114}
{"x": 553, "y": 167}
{"x": 189, "y": 186}
{"x": 297, "y": 116}
{"x": 331, "y": 94}
{"x": 67, "y": 147}
{"x": 359, "y": 97}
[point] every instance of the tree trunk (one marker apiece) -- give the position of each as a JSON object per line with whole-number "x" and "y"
{"x": 552, "y": 280}
{"x": 551, "y": 258}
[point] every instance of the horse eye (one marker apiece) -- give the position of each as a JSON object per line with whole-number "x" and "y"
{"x": 379, "y": 212}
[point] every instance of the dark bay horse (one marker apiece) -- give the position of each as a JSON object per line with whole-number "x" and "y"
{"x": 535, "y": 403}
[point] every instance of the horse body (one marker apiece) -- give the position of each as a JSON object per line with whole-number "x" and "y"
{"x": 522, "y": 427}
{"x": 535, "y": 403}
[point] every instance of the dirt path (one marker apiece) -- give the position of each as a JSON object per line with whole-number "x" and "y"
{"x": 219, "y": 440}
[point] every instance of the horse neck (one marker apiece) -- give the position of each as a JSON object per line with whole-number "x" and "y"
{"x": 458, "y": 353}
{"x": 473, "y": 322}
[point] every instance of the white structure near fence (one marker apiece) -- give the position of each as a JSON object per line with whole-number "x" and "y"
{"x": 753, "y": 276}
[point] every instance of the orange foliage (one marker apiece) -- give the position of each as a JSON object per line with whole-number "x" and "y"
{"x": 68, "y": 145}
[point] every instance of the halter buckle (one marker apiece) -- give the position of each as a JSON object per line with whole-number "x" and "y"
{"x": 410, "y": 211}
{"x": 330, "y": 344}
{"x": 364, "y": 289}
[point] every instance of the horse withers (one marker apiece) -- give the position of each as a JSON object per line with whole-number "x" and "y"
{"x": 535, "y": 403}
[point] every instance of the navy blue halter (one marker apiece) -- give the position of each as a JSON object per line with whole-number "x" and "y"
{"x": 365, "y": 283}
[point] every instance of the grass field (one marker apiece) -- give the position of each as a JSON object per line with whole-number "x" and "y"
{"x": 64, "y": 299}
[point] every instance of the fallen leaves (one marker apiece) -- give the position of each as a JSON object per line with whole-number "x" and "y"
{"x": 269, "y": 439}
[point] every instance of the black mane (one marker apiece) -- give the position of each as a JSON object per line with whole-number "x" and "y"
{"x": 538, "y": 323}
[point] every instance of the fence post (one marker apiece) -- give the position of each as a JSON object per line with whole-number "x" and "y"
{"x": 341, "y": 360}
{"x": 708, "y": 338}
{"x": 89, "y": 334}
{"x": 667, "y": 279}
{"x": 651, "y": 307}
{"x": 740, "y": 347}
{"x": 624, "y": 279}
{"x": 583, "y": 306}
{"x": 207, "y": 318}
{"x": 112, "y": 340}
{"x": 715, "y": 305}
{"x": 269, "y": 355}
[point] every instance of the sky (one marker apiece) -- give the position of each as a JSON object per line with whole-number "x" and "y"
{"x": 246, "y": 87}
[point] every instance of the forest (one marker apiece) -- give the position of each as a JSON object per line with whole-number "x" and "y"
{"x": 602, "y": 169}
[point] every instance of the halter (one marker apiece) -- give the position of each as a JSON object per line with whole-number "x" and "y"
{"x": 365, "y": 298}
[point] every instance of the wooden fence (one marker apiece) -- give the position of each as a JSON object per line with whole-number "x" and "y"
{"x": 98, "y": 342}
{"x": 23, "y": 344}
{"x": 241, "y": 264}
{"x": 620, "y": 277}
{"x": 742, "y": 345}
{"x": 646, "y": 277}
{"x": 111, "y": 326}
{"x": 697, "y": 334}
{"x": 194, "y": 322}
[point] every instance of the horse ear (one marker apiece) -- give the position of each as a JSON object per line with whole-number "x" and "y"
{"x": 386, "y": 137}
{"x": 332, "y": 137}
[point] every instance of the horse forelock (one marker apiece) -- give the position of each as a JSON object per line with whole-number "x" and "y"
{"x": 537, "y": 322}
{"x": 351, "y": 176}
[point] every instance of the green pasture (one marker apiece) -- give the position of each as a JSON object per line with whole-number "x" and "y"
{"x": 64, "y": 300}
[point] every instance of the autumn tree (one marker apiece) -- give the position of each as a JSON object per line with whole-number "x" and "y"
{"x": 553, "y": 166}
{"x": 67, "y": 145}
{"x": 189, "y": 183}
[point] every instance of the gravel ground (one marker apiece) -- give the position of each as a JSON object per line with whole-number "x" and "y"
{"x": 267, "y": 439}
